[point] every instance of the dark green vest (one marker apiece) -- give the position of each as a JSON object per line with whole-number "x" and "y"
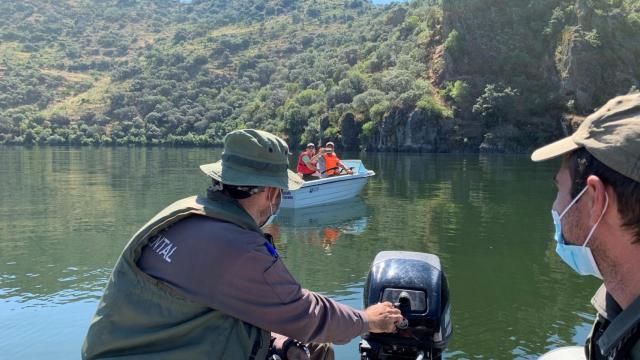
{"x": 141, "y": 317}
{"x": 615, "y": 333}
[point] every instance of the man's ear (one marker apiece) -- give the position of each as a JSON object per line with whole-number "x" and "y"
{"x": 598, "y": 198}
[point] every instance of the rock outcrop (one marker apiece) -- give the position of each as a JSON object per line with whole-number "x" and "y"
{"x": 349, "y": 131}
{"x": 413, "y": 131}
{"x": 565, "y": 58}
{"x": 597, "y": 58}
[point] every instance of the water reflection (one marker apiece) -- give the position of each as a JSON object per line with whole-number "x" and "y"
{"x": 320, "y": 246}
{"x": 324, "y": 225}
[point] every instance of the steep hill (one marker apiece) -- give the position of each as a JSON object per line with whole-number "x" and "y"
{"x": 525, "y": 64}
{"x": 451, "y": 75}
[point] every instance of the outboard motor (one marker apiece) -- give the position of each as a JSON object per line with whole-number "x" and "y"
{"x": 415, "y": 284}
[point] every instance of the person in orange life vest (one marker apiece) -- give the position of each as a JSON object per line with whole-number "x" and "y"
{"x": 332, "y": 163}
{"x": 307, "y": 163}
{"x": 330, "y": 236}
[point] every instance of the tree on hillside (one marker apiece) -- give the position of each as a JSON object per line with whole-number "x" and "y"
{"x": 496, "y": 105}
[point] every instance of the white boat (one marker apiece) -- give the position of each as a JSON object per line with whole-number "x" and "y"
{"x": 328, "y": 190}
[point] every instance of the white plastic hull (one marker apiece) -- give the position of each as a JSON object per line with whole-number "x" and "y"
{"x": 328, "y": 190}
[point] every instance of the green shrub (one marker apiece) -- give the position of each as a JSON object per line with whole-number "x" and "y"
{"x": 496, "y": 104}
{"x": 459, "y": 92}
{"x": 453, "y": 44}
{"x": 377, "y": 111}
{"x": 368, "y": 131}
{"x": 363, "y": 102}
{"x": 330, "y": 133}
{"x": 433, "y": 108}
{"x": 592, "y": 38}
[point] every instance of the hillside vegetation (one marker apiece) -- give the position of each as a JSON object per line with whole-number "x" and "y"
{"x": 451, "y": 75}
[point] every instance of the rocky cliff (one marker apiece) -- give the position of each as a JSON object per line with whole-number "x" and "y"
{"x": 597, "y": 54}
{"x": 527, "y": 66}
{"x": 414, "y": 131}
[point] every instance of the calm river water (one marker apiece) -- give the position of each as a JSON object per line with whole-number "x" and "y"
{"x": 66, "y": 213}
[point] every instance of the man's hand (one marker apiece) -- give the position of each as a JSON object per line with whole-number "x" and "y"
{"x": 382, "y": 317}
{"x": 298, "y": 352}
{"x": 285, "y": 348}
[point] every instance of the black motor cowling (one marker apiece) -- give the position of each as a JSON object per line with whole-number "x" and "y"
{"x": 414, "y": 283}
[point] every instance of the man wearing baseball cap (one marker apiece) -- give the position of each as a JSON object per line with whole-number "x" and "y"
{"x": 331, "y": 163}
{"x": 597, "y": 220}
{"x": 202, "y": 281}
{"x": 307, "y": 160}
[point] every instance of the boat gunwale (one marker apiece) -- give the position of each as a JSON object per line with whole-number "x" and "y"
{"x": 335, "y": 179}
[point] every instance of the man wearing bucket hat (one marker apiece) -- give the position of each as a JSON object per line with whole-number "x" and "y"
{"x": 597, "y": 218}
{"x": 202, "y": 281}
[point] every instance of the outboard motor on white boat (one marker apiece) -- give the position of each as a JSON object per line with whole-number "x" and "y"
{"x": 415, "y": 283}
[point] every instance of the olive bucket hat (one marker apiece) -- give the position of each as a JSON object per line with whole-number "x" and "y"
{"x": 611, "y": 135}
{"x": 254, "y": 158}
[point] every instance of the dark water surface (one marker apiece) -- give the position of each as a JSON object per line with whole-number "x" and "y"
{"x": 66, "y": 213}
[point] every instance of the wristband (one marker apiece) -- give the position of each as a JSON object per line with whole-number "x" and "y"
{"x": 291, "y": 342}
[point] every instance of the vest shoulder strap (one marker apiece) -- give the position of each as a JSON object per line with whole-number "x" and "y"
{"x": 622, "y": 333}
{"x": 220, "y": 208}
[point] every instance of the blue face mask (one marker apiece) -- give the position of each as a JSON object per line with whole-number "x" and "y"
{"x": 273, "y": 213}
{"x": 578, "y": 257}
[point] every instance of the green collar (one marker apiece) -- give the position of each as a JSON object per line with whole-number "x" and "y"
{"x": 240, "y": 216}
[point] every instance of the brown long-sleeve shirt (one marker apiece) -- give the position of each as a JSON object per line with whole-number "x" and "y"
{"x": 232, "y": 270}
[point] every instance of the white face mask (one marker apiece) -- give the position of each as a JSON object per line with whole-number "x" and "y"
{"x": 271, "y": 212}
{"x": 578, "y": 257}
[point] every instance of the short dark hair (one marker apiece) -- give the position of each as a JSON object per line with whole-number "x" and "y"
{"x": 582, "y": 164}
{"x": 234, "y": 191}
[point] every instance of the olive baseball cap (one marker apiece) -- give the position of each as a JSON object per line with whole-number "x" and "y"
{"x": 611, "y": 135}
{"x": 254, "y": 158}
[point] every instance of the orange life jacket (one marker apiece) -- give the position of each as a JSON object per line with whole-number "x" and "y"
{"x": 331, "y": 236}
{"x": 331, "y": 162}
